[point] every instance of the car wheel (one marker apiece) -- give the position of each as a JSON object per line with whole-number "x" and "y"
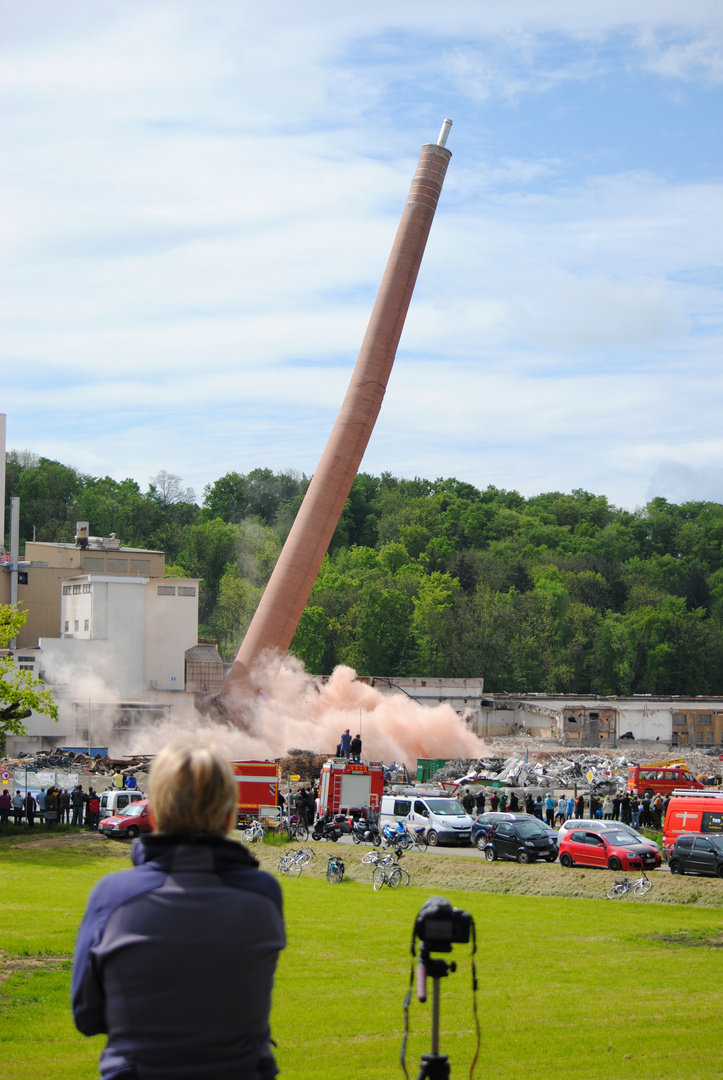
{"x": 523, "y": 857}
{"x": 648, "y": 794}
{"x": 719, "y": 872}
{"x": 432, "y": 838}
{"x": 566, "y": 860}
{"x": 614, "y": 864}
{"x": 481, "y": 842}
{"x": 490, "y": 854}
{"x": 551, "y": 857}
{"x": 675, "y": 867}
{"x": 132, "y": 832}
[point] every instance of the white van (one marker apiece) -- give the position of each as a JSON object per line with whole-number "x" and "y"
{"x": 112, "y": 802}
{"x": 443, "y": 819}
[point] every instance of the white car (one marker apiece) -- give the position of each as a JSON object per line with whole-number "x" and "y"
{"x": 600, "y": 825}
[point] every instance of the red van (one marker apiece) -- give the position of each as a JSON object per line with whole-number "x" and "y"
{"x": 661, "y": 779}
{"x": 692, "y": 812}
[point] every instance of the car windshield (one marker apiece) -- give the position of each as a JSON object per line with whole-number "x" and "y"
{"x": 450, "y": 807}
{"x": 529, "y": 829}
{"x": 134, "y": 810}
{"x": 622, "y": 839}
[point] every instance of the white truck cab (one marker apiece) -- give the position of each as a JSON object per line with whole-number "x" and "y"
{"x": 112, "y": 802}
{"x": 442, "y": 817}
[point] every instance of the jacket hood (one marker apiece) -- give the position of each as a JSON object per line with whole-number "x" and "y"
{"x": 158, "y": 847}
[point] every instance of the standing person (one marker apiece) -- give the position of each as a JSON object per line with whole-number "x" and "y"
{"x": 561, "y": 808}
{"x": 494, "y": 802}
{"x": 635, "y": 811}
{"x": 201, "y": 1010}
{"x": 607, "y": 807}
{"x": 302, "y": 807}
{"x": 51, "y": 806}
{"x": 6, "y": 805}
{"x": 30, "y": 809}
{"x": 580, "y": 807}
{"x": 538, "y": 808}
{"x": 479, "y": 801}
{"x": 93, "y": 815}
{"x": 345, "y": 744}
{"x": 529, "y": 804}
{"x": 18, "y": 802}
{"x": 616, "y": 808}
{"x": 625, "y": 809}
{"x": 570, "y": 808}
{"x": 550, "y": 810}
{"x": 64, "y": 806}
{"x": 77, "y": 801}
{"x": 503, "y": 802}
{"x": 514, "y": 803}
{"x": 468, "y": 801}
{"x": 356, "y": 745}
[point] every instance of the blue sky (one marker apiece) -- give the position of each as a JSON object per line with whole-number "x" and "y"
{"x": 202, "y": 199}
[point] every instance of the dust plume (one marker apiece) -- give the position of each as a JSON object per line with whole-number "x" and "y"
{"x": 293, "y": 709}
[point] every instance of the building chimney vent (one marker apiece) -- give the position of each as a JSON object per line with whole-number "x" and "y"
{"x": 82, "y": 528}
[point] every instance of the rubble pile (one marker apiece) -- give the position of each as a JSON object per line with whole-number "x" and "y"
{"x": 66, "y": 761}
{"x": 303, "y": 763}
{"x": 589, "y": 771}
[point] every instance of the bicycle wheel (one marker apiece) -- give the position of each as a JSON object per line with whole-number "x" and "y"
{"x": 248, "y": 836}
{"x": 616, "y": 891}
{"x": 642, "y": 886}
{"x": 370, "y": 858}
{"x": 302, "y": 831}
{"x": 294, "y": 868}
{"x": 379, "y": 878}
{"x": 306, "y": 856}
{"x": 405, "y": 875}
{"x": 335, "y": 873}
{"x": 395, "y": 878}
{"x": 283, "y": 867}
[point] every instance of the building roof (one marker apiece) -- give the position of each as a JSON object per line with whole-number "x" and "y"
{"x": 203, "y": 654}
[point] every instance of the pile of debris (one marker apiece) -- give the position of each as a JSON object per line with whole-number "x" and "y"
{"x": 303, "y": 763}
{"x": 59, "y": 760}
{"x": 592, "y": 772}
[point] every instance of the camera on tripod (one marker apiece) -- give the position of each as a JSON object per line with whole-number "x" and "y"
{"x": 439, "y": 925}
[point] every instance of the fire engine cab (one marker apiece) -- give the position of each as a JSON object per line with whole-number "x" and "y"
{"x": 348, "y": 788}
{"x": 258, "y": 787}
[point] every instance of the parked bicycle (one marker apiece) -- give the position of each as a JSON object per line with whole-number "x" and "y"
{"x": 335, "y": 870}
{"x": 255, "y": 831}
{"x": 387, "y": 870}
{"x": 622, "y": 886}
{"x": 418, "y": 835}
{"x": 292, "y": 862}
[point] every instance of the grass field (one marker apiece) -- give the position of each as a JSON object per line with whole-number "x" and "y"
{"x": 570, "y": 988}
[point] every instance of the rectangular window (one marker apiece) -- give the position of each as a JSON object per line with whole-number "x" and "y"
{"x": 185, "y": 590}
{"x": 93, "y": 562}
{"x": 703, "y": 717}
{"x": 67, "y": 626}
{"x": 141, "y": 566}
{"x": 117, "y": 566}
{"x": 166, "y": 590}
{"x": 87, "y": 588}
{"x": 76, "y": 590}
{"x": 26, "y": 659}
{"x": 679, "y": 719}
{"x": 76, "y": 625}
{"x": 86, "y": 625}
{"x": 66, "y": 590}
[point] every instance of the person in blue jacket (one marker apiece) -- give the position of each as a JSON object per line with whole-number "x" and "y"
{"x": 175, "y": 958}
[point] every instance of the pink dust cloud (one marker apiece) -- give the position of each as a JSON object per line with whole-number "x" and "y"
{"x": 293, "y": 710}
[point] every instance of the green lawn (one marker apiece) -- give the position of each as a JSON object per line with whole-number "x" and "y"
{"x": 570, "y": 989}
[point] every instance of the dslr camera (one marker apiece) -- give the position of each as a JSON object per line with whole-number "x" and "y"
{"x": 439, "y": 925}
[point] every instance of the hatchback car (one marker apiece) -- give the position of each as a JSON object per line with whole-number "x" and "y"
{"x": 482, "y": 825}
{"x": 612, "y": 848}
{"x": 694, "y": 853}
{"x": 525, "y": 841}
{"x": 131, "y": 821}
{"x": 600, "y": 825}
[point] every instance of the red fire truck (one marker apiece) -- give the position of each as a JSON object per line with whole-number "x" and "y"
{"x": 348, "y": 788}
{"x": 258, "y": 786}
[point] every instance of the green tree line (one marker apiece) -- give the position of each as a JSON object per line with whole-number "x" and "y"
{"x": 557, "y": 593}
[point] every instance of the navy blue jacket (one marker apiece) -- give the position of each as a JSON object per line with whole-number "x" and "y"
{"x": 175, "y": 962}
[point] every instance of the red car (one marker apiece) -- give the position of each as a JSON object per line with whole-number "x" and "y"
{"x": 612, "y": 848}
{"x": 131, "y": 821}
